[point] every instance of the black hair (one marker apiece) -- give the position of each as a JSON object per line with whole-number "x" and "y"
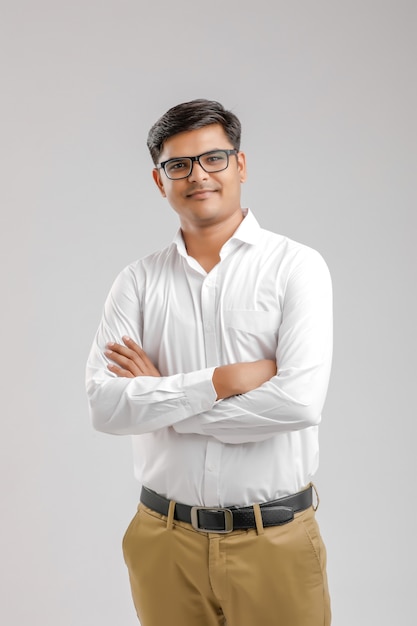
{"x": 192, "y": 116}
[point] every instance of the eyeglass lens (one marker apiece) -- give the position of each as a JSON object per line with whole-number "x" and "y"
{"x": 214, "y": 161}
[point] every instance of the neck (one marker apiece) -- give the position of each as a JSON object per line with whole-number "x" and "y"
{"x": 204, "y": 243}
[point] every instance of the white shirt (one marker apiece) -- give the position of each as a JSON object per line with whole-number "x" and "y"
{"x": 268, "y": 297}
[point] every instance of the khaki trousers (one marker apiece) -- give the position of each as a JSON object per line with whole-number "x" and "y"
{"x": 182, "y": 577}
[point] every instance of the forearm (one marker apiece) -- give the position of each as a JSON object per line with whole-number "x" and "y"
{"x": 134, "y": 404}
{"x": 127, "y": 406}
{"x": 238, "y": 378}
{"x": 284, "y": 403}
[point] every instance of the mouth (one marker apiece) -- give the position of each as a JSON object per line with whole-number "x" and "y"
{"x": 200, "y": 194}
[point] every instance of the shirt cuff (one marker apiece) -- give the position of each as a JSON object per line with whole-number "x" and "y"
{"x": 199, "y": 390}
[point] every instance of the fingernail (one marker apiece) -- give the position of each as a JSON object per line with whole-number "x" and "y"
{"x": 126, "y": 338}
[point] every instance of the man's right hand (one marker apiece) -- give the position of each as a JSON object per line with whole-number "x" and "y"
{"x": 237, "y": 378}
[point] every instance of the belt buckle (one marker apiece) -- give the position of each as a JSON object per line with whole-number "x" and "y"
{"x": 228, "y": 519}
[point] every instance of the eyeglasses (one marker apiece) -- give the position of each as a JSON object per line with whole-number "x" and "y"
{"x": 212, "y": 161}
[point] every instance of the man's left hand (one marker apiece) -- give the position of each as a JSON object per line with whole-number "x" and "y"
{"x": 129, "y": 360}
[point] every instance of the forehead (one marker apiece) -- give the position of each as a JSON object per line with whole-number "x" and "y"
{"x": 194, "y": 142}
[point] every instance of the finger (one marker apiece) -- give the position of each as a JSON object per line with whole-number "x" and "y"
{"x": 121, "y": 349}
{"x": 132, "y": 344}
{"x": 123, "y": 362}
{"x": 115, "y": 349}
{"x": 146, "y": 364}
{"x": 140, "y": 365}
{"x": 140, "y": 352}
{"x": 120, "y": 372}
{"x": 131, "y": 350}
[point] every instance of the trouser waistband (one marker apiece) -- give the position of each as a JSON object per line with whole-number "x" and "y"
{"x": 224, "y": 520}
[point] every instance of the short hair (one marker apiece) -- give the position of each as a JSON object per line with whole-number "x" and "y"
{"x": 192, "y": 116}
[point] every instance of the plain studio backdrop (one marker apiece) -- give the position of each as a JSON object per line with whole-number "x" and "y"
{"x": 326, "y": 92}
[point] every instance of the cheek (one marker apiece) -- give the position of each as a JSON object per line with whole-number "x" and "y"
{"x": 234, "y": 189}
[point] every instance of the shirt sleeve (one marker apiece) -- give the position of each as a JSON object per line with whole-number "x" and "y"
{"x": 294, "y": 398}
{"x": 138, "y": 405}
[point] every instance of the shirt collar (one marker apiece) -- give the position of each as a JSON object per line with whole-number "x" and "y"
{"x": 248, "y": 231}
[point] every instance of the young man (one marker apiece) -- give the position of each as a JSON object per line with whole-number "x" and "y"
{"x": 215, "y": 355}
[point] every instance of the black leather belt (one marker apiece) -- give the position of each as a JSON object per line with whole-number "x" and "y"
{"x": 224, "y": 520}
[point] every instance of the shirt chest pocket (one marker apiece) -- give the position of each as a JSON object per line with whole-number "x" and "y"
{"x": 254, "y": 322}
{"x": 252, "y": 334}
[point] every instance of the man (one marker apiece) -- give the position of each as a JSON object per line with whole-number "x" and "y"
{"x": 215, "y": 355}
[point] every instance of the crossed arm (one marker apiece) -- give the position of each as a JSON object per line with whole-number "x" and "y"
{"x": 255, "y": 402}
{"x": 130, "y": 361}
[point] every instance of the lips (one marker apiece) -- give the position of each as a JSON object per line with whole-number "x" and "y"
{"x": 200, "y": 193}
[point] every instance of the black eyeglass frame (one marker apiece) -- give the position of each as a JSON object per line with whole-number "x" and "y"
{"x": 193, "y": 159}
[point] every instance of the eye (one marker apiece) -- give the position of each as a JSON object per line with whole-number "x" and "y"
{"x": 214, "y": 161}
{"x": 215, "y": 157}
{"x": 176, "y": 165}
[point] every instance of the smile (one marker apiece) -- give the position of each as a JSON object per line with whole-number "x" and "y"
{"x": 200, "y": 193}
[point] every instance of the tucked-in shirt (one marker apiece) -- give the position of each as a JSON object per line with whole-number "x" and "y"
{"x": 269, "y": 297}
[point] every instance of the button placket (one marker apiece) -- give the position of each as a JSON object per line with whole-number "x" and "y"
{"x": 208, "y": 312}
{"x": 212, "y": 472}
{"x": 214, "y": 448}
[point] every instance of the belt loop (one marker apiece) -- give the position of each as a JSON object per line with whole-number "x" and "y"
{"x": 258, "y": 519}
{"x": 171, "y": 511}
{"x": 315, "y": 506}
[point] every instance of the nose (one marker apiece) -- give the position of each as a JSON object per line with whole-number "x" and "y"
{"x": 197, "y": 172}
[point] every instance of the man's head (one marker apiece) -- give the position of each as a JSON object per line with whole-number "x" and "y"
{"x": 198, "y": 165}
{"x": 192, "y": 115}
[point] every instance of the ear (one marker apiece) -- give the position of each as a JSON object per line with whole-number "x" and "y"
{"x": 156, "y": 175}
{"x": 241, "y": 166}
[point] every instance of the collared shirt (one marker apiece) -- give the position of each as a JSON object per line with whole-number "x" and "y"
{"x": 269, "y": 297}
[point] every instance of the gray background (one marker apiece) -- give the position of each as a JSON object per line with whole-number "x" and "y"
{"x": 326, "y": 92}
